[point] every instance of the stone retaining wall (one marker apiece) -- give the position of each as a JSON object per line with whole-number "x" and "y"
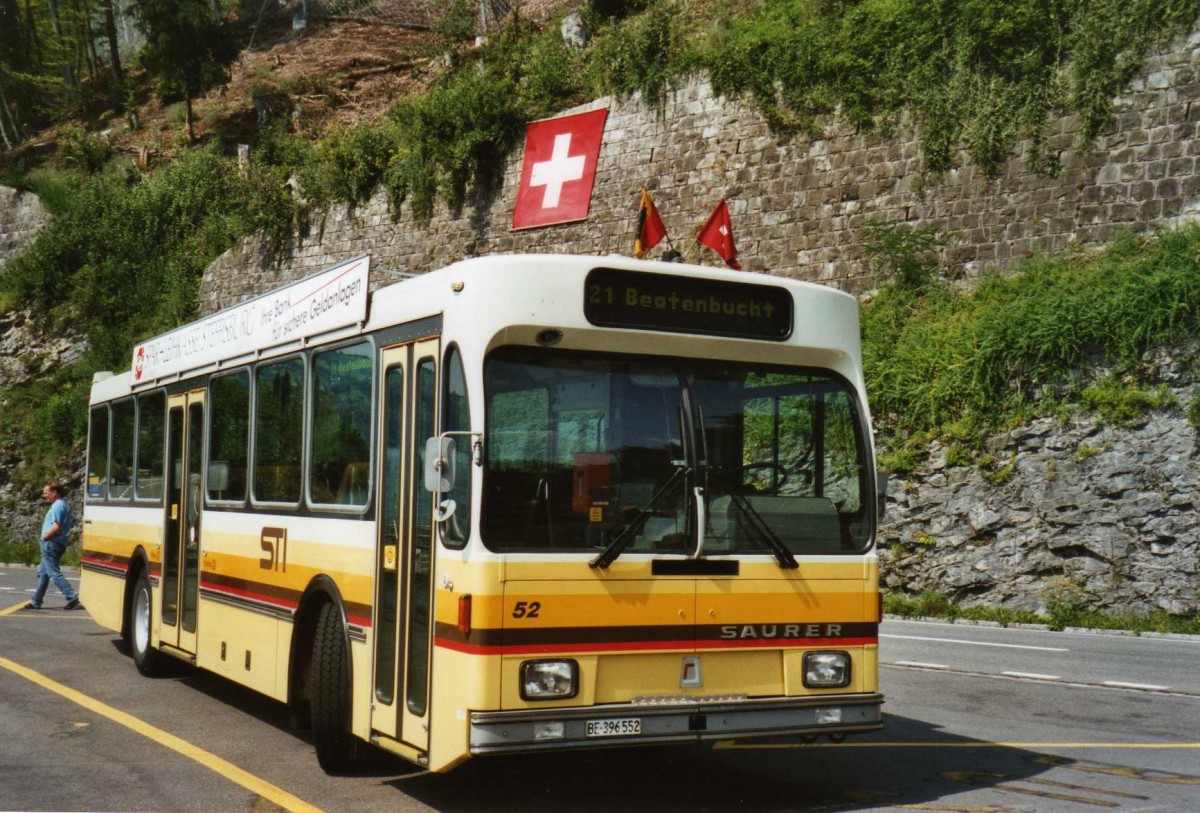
{"x": 21, "y": 218}
{"x": 798, "y": 203}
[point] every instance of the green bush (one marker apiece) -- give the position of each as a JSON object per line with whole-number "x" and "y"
{"x": 55, "y": 188}
{"x": 1011, "y": 348}
{"x": 904, "y": 255}
{"x": 457, "y": 21}
{"x": 79, "y": 149}
{"x": 119, "y": 261}
{"x": 957, "y": 455}
{"x": 455, "y": 136}
{"x": 976, "y": 75}
{"x": 349, "y": 164}
{"x": 1123, "y": 402}
{"x": 641, "y": 53}
{"x": 552, "y": 75}
{"x": 1064, "y": 601}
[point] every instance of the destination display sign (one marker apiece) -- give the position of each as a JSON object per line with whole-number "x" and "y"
{"x": 634, "y": 299}
{"x": 314, "y": 305}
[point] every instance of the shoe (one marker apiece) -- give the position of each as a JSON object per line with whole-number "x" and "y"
{"x": 73, "y": 604}
{"x": 31, "y": 606}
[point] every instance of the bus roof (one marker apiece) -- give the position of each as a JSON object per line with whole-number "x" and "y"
{"x": 480, "y": 298}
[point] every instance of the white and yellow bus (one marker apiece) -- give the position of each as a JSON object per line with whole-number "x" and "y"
{"x": 521, "y": 503}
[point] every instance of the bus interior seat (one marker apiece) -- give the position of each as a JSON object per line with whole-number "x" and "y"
{"x": 353, "y": 488}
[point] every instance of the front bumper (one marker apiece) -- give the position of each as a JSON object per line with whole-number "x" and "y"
{"x": 502, "y": 732}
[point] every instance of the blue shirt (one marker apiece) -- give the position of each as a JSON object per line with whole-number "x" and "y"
{"x": 59, "y": 512}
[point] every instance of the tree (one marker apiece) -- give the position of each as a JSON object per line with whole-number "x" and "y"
{"x": 12, "y": 54}
{"x": 12, "y": 35}
{"x": 110, "y": 33}
{"x": 188, "y": 48}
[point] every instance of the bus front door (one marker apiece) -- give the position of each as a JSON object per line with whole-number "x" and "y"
{"x": 181, "y": 538}
{"x": 404, "y": 562}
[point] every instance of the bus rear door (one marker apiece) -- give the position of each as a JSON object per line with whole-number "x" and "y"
{"x": 181, "y": 539}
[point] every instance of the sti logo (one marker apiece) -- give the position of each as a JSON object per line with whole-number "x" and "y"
{"x": 558, "y": 170}
{"x": 139, "y": 366}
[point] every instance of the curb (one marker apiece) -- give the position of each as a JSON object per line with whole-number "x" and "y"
{"x": 23, "y": 566}
{"x": 965, "y": 622}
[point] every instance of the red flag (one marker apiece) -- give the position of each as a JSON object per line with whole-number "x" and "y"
{"x": 717, "y": 234}
{"x": 650, "y": 227}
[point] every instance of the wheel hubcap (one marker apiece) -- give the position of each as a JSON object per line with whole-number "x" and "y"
{"x": 141, "y": 621}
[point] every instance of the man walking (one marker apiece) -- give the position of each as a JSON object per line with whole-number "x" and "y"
{"x": 56, "y": 530}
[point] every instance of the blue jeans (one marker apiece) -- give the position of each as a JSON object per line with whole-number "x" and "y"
{"x": 49, "y": 571}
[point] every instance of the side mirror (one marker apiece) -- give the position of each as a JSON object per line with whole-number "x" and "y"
{"x": 439, "y": 465}
{"x": 881, "y": 487}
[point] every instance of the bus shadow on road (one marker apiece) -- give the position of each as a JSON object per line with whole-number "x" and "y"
{"x": 910, "y": 763}
{"x": 372, "y": 761}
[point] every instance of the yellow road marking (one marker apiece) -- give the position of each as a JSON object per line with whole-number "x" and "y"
{"x": 1089, "y": 788}
{"x": 1003, "y": 782}
{"x": 1022, "y": 745}
{"x": 226, "y": 769}
{"x": 1145, "y": 774}
{"x": 44, "y": 612}
{"x": 957, "y": 808}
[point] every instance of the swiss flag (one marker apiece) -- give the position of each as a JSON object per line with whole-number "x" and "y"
{"x": 559, "y": 169}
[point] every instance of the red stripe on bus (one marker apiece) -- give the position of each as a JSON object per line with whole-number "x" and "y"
{"x": 107, "y": 562}
{"x": 650, "y": 646}
{"x": 778, "y": 643}
{"x": 259, "y": 597}
{"x": 291, "y": 606}
{"x": 537, "y": 649}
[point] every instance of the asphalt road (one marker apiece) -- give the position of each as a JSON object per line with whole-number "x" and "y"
{"x": 81, "y": 730}
{"x": 1162, "y": 664}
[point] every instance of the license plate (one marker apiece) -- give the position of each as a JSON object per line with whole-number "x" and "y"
{"x": 624, "y": 727}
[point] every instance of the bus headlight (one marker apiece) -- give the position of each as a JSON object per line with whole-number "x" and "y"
{"x": 549, "y": 680}
{"x": 826, "y": 670}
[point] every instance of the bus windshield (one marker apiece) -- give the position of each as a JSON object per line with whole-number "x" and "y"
{"x": 585, "y": 448}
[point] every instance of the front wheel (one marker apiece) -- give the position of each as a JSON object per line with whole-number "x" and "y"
{"x": 147, "y": 659}
{"x": 331, "y": 694}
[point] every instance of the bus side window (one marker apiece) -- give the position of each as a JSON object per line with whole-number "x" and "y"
{"x": 228, "y": 436}
{"x": 278, "y": 430}
{"x": 120, "y": 486}
{"x": 340, "y": 435}
{"x": 97, "y": 473}
{"x": 152, "y": 409}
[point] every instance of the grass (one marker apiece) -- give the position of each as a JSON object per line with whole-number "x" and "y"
{"x": 28, "y": 553}
{"x": 943, "y": 362}
{"x": 930, "y": 604}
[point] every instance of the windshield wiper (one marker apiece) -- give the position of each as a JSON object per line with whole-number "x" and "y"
{"x": 622, "y": 540}
{"x": 762, "y": 532}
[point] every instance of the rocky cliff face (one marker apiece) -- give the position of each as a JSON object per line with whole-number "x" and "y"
{"x": 27, "y": 351}
{"x": 1101, "y": 516}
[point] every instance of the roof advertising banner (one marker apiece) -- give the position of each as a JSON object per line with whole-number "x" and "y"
{"x": 318, "y": 304}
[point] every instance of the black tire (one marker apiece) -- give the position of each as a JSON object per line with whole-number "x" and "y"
{"x": 331, "y": 694}
{"x": 149, "y": 661}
